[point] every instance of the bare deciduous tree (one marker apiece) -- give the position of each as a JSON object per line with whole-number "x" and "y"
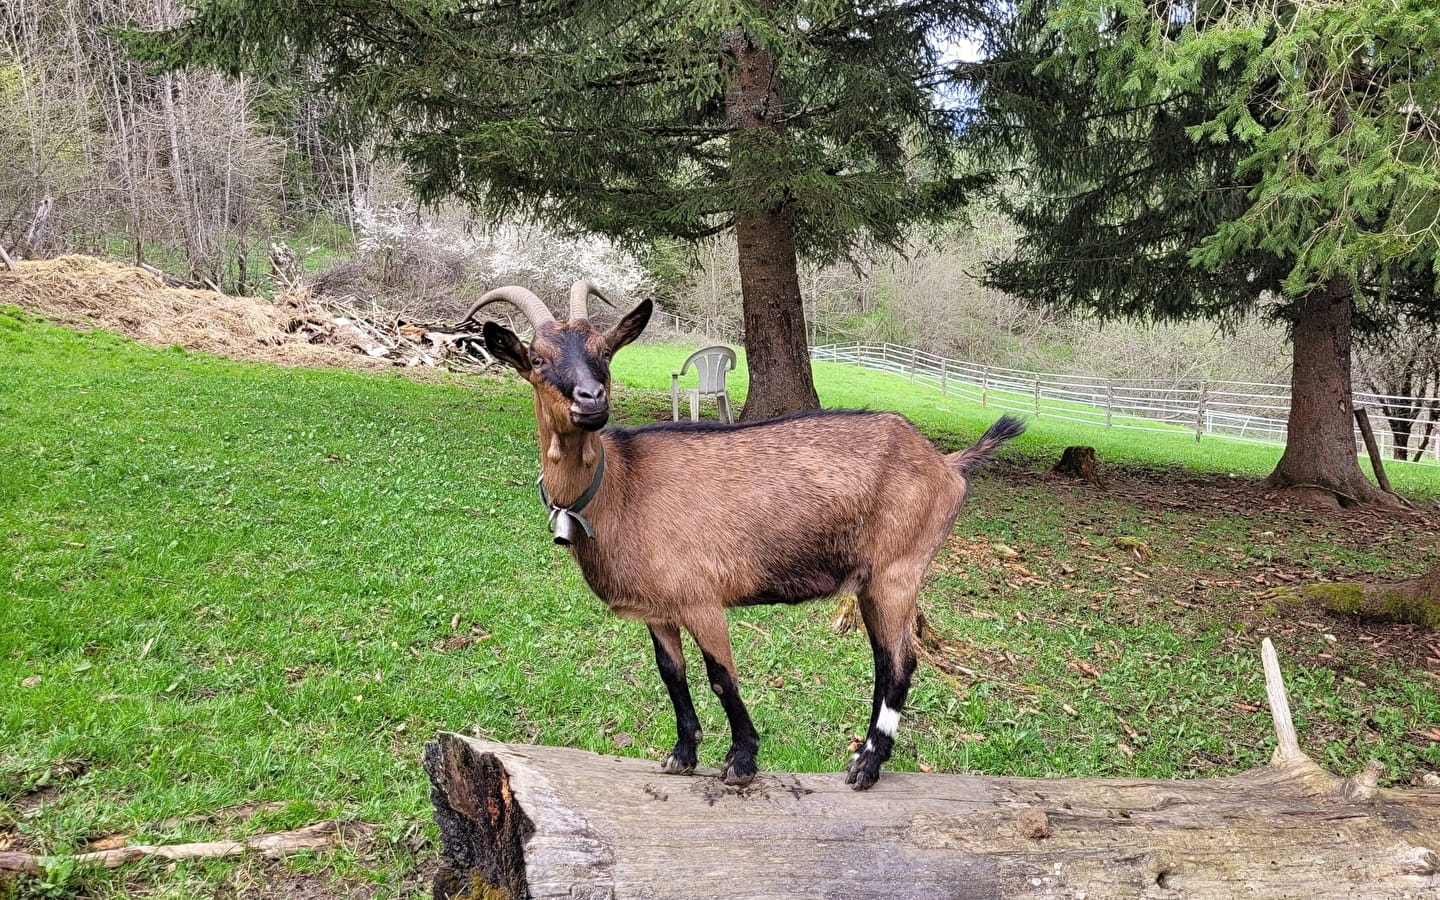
{"x": 179, "y": 168}
{"x": 1405, "y": 364}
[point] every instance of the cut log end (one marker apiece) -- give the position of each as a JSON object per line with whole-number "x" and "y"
{"x": 482, "y": 829}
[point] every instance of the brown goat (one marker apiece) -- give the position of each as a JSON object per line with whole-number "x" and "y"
{"x": 807, "y": 506}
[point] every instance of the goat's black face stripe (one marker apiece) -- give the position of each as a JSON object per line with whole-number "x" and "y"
{"x": 575, "y": 365}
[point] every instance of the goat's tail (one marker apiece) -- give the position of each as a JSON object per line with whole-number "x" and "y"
{"x": 967, "y": 461}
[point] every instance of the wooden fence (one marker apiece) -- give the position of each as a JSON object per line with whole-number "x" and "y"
{"x": 1239, "y": 410}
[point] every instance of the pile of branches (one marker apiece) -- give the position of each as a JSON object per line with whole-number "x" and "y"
{"x": 390, "y": 336}
{"x": 384, "y": 335}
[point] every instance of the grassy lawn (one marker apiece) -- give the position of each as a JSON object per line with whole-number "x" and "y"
{"x": 956, "y": 422}
{"x": 224, "y": 583}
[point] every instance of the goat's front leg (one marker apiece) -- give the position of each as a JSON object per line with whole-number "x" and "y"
{"x": 670, "y": 660}
{"x": 708, "y": 629}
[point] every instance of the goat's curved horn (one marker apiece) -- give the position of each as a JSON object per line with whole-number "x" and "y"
{"x": 532, "y": 306}
{"x": 579, "y": 293}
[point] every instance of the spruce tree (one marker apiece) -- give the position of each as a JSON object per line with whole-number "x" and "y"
{"x": 1204, "y": 160}
{"x": 809, "y": 127}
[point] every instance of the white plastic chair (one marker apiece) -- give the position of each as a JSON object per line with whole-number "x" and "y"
{"x": 711, "y": 364}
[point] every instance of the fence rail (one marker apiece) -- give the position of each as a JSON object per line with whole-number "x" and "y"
{"x": 1238, "y": 410}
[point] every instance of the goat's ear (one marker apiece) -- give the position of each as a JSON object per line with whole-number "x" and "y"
{"x": 506, "y": 347}
{"x": 629, "y": 327}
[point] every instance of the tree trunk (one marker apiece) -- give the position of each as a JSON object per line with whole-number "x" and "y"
{"x": 1320, "y": 455}
{"x": 520, "y": 821}
{"x": 178, "y": 174}
{"x": 37, "y": 226}
{"x": 1400, "y": 440}
{"x": 1399, "y": 420}
{"x": 777, "y": 355}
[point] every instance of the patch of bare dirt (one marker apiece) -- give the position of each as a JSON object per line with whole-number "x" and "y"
{"x": 1206, "y": 498}
{"x": 19, "y": 796}
{"x": 275, "y": 881}
{"x": 1193, "y": 552}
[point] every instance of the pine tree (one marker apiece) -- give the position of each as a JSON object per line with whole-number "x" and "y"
{"x": 1204, "y": 160}
{"x": 809, "y": 127}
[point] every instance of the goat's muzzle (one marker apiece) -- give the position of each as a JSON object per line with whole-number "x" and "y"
{"x": 590, "y": 406}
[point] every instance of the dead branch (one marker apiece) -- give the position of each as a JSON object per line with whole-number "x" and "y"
{"x": 320, "y": 836}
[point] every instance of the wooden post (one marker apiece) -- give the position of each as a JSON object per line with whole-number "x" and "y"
{"x": 1109, "y": 402}
{"x": 944, "y": 365}
{"x": 985, "y": 390}
{"x": 1200, "y": 410}
{"x": 1037, "y": 395}
{"x": 914, "y": 356}
{"x": 1362, "y": 418}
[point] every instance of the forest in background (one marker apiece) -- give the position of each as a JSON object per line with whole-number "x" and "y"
{"x": 199, "y": 174}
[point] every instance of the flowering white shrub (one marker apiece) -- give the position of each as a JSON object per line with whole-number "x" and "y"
{"x": 507, "y": 253}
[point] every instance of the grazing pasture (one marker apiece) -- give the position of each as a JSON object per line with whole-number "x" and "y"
{"x": 236, "y": 597}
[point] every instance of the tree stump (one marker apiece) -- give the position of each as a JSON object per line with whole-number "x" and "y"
{"x": 1080, "y": 462}
{"x": 546, "y": 822}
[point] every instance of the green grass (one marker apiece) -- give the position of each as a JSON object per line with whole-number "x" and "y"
{"x": 955, "y": 422}
{"x": 225, "y": 582}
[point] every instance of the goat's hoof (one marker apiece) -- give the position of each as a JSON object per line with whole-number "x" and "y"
{"x": 677, "y": 762}
{"x": 863, "y": 771}
{"x": 738, "y": 769}
{"x": 862, "y": 781}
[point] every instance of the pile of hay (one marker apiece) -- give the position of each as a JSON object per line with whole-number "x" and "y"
{"x": 85, "y": 292}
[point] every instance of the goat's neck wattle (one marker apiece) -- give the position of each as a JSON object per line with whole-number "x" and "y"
{"x": 567, "y": 462}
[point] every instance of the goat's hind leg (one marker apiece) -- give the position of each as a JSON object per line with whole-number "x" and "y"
{"x": 670, "y": 660}
{"x": 889, "y": 617}
{"x": 709, "y": 630}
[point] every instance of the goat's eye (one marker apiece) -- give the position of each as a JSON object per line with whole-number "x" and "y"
{"x": 535, "y": 361}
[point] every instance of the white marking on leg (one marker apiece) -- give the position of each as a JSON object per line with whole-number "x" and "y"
{"x": 869, "y": 747}
{"x": 888, "y": 722}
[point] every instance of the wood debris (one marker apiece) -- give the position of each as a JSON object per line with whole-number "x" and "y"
{"x": 320, "y": 836}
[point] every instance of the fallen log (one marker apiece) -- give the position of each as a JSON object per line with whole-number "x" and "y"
{"x": 1415, "y": 601}
{"x": 522, "y": 821}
